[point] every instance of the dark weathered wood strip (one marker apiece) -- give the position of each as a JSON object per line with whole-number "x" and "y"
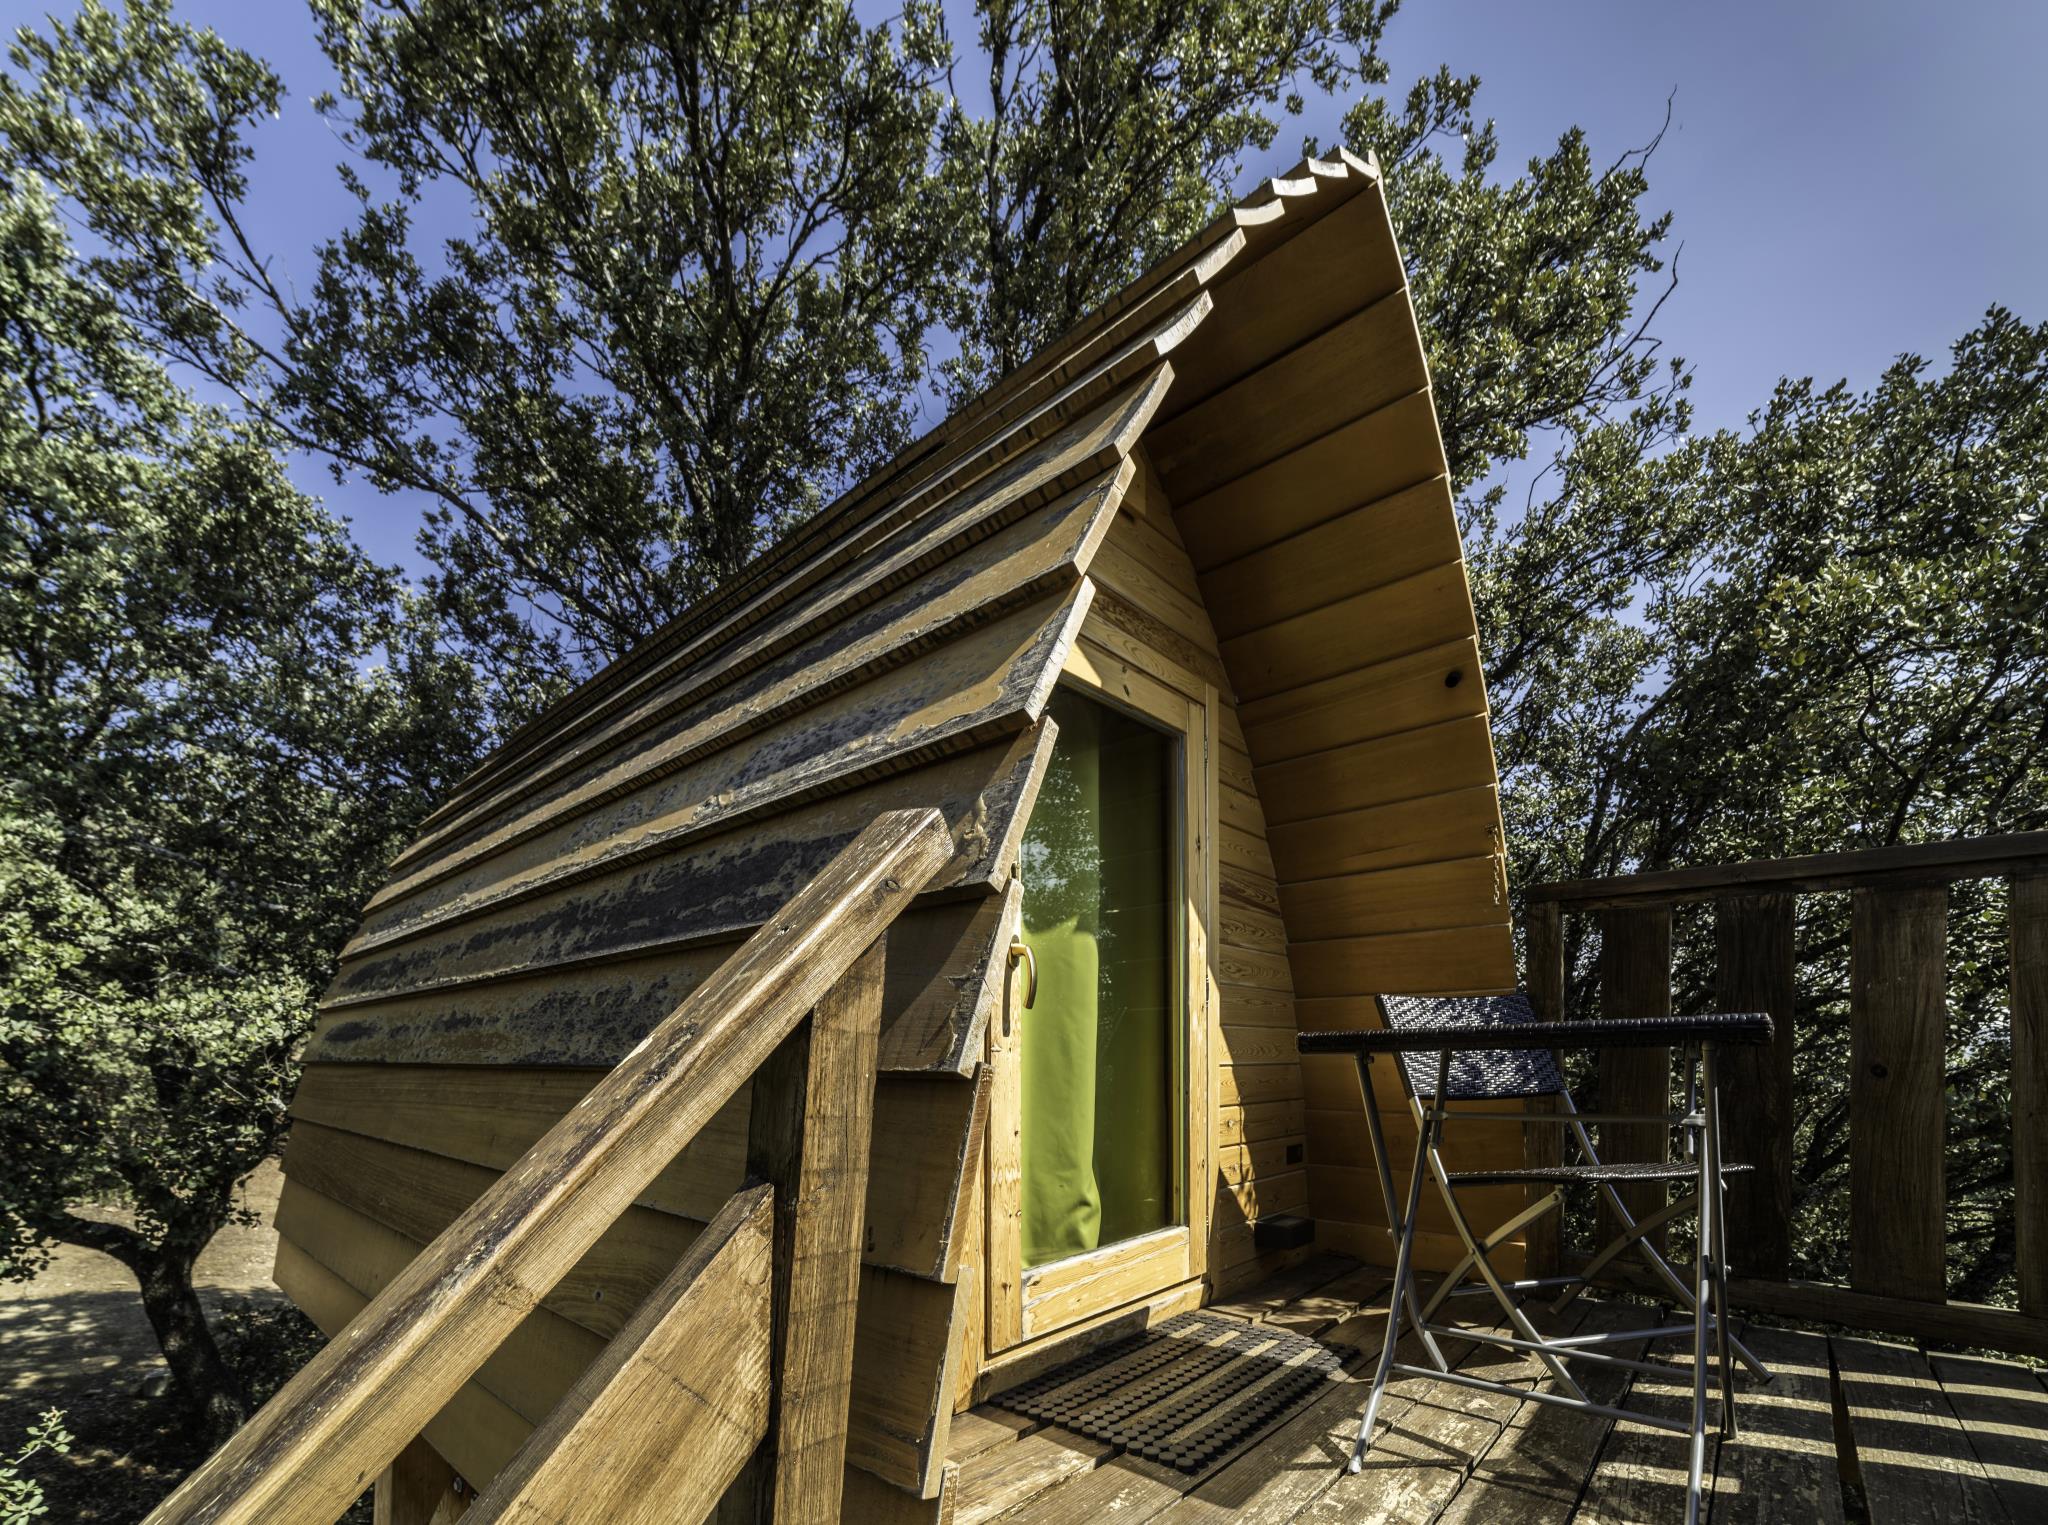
{"x": 961, "y": 572}
{"x": 1912, "y": 864}
{"x": 2027, "y": 904}
{"x": 1635, "y": 981}
{"x": 943, "y": 978}
{"x": 963, "y": 695}
{"x": 728, "y": 884}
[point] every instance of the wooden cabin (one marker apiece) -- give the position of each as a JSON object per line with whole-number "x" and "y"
{"x": 1172, "y": 626}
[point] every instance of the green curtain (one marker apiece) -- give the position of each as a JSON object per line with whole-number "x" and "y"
{"x": 1097, "y": 1052}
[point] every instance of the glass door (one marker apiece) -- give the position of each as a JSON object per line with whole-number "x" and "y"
{"x": 1098, "y": 1054}
{"x": 1089, "y": 1140}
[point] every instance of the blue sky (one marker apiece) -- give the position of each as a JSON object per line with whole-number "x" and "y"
{"x": 1849, "y": 180}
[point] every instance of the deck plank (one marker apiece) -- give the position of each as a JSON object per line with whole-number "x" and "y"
{"x": 1940, "y": 1437}
{"x": 1004, "y": 1476}
{"x": 1639, "y": 1473}
{"x": 1537, "y": 1467}
{"x": 1128, "y": 1489}
{"x": 1431, "y": 1434}
{"x": 2003, "y": 1409}
{"x": 1782, "y": 1465}
{"x": 1332, "y": 1304}
{"x": 1276, "y": 1292}
{"x": 979, "y": 1429}
{"x": 1915, "y": 1463}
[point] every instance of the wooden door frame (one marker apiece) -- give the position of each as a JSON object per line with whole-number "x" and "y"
{"x": 1025, "y": 1306}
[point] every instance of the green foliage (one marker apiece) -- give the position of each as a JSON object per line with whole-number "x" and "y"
{"x": 1113, "y": 132}
{"x": 21, "y": 1497}
{"x": 217, "y": 723}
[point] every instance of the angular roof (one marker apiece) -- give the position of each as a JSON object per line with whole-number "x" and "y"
{"x": 901, "y": 647}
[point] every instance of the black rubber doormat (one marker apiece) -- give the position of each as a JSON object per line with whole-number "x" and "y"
{"x": 1183, "y": 1393}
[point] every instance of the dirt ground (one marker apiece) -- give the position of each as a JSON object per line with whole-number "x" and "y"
{"x": 75, "y": 1339}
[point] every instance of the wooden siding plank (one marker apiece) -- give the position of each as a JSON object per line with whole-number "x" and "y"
{"x": 1376, "y": 454}
{"x": 417, "y": 1195}
{"x": 391, "y": 1125}
{"x": 1402, "y": 693}
{"x": 1412, "y": 765}
{"x": 1017, "y": 565}
{"x": 942, "y": 971}
{"x": 1446, "y": 961}
{"x": 1898, "y": 1193}
{"x": 1431, "y": 828}
{"x": 1461, "y": 892}
{"x": 962, "y": 695}
{"x": 1375, "y": 544}
{"x": 489, "y": 1116}
{"x": 1369, "y": 359}
{"x": 732, "y": 883}
{"x": 1396, "y": 619}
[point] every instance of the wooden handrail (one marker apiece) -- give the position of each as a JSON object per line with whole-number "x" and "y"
{"x": 319, "y": 1443}
{"x": 1896, "y": 1076}
{"x": 1920, "y": 863}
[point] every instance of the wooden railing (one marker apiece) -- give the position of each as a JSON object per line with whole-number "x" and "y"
{"x": 739, "y": 1362}
{"x": 1897, "y": 1051}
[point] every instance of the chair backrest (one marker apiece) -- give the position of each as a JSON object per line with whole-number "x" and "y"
{"x": 1477, "y": 1074}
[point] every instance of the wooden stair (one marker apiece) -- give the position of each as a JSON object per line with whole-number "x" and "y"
{"x": 731, "y": 1381}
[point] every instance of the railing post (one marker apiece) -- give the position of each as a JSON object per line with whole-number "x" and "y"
{"x": 418, "y": 1488}
{"x": 1755, "y": 970}
{"x": 1635, "y": 981}
{"x": 1898, "y": 944}
{"x": 2028, "y": 916}
{"x": 1543, "y": 1143}
{"x": 809, "y": 1136}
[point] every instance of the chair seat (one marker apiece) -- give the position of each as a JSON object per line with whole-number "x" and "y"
{"x": 1565, "y": 1175}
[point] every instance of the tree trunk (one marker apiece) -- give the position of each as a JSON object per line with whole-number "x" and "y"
{"x": 202, "y": 1378}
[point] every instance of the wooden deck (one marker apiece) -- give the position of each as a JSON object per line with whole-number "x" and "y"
{"x": 1851, "y": 1430}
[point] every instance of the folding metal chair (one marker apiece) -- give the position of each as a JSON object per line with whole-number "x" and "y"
{"x": 1492, "y": 1048}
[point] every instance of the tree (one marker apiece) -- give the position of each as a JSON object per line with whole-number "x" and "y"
{"x": 690, "y": 294}
{"x": 217, "y": 721}
{"x": 701, "y": 249}
{"x": 1110, "y": 135}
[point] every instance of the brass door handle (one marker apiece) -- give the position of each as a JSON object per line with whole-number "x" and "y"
{"x": 1019, "y": 949}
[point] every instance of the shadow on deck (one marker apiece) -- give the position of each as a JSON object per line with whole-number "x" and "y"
{"x": 1851, "y": 1429}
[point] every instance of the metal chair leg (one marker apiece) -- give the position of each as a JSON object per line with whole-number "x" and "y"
{"x": 1709, "y": 1179}
{"x": 1721, "y": 1312}
{"x": 1402, "y": 1296}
